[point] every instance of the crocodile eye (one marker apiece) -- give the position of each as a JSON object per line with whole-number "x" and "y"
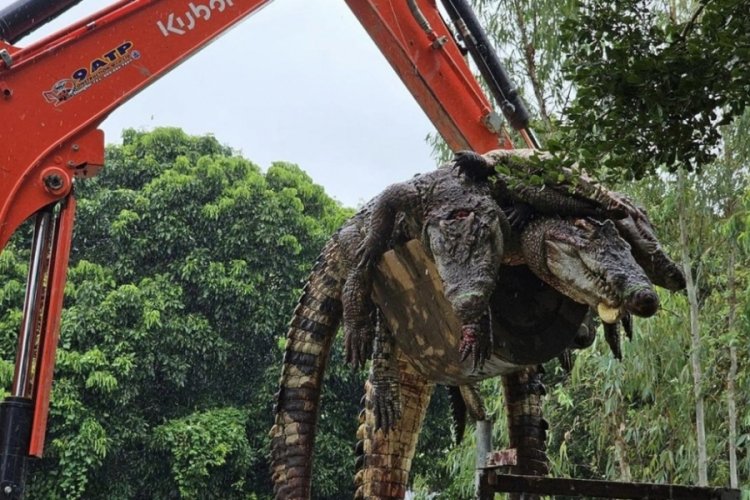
{"x": 461, "y": 213}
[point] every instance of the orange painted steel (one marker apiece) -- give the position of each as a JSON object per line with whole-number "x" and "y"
{"x": 57, "y": 91}
{"x": 433, "y": 69}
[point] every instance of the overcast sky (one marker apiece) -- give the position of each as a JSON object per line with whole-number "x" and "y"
{"x": 299, "y": 81}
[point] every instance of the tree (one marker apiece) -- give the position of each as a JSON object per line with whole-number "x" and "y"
{"x": 186, "y": 263}
{"x": 736, "y": 156}
{"x": 528, "y": 37}
{"x": 652, "y": 82}
{"x": 651, "y": 89}
{"x": 695, "y": 335}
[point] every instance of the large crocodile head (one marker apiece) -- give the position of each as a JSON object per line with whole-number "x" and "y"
{"x": 463, "y": 229}
{"x": 589, "y": 262}
{"x": 637, "y": 229}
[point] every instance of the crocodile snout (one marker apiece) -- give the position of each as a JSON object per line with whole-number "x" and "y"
{"x": 643, "y": 302}
{"x": 469, "y": 306}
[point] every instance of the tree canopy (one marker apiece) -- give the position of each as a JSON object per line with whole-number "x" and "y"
{"x": 646, "y": 89}
{"x": 653, "y": 86}
{"x": 187, "y": 260}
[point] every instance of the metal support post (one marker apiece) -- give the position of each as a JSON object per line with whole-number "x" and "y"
{"x": 484, "y": 446}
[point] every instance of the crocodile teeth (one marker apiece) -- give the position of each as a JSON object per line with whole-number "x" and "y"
{"x": 607, "y": 313}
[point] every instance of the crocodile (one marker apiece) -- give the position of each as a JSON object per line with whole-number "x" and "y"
{"x": 463, "y": 228}
{"x": 571, "y": 192}
{"x": 454, "y": 242}
{"x": 550, "y": 246}
{"x": 450, "y": 213}
{"x": 466, "y": 234}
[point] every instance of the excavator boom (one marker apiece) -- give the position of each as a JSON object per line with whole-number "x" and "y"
{"x": 55, "y": 93}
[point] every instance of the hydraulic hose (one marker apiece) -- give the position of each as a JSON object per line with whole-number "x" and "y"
{"x": 24, "y": 16}
{"x": 490, "y": 67}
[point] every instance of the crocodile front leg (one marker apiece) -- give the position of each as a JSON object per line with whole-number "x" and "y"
{"x": 612, "y": 336}
{"x": 358, "y": 317}
{"x": 465, "y": 399}
{"x": 526, "y": 427}
{"x": 476, "y": 342}
{"x": 401, "y": 197}
{"x": 384, "y": 460}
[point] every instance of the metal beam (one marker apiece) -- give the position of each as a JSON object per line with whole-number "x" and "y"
{"x": 509, "y": 483}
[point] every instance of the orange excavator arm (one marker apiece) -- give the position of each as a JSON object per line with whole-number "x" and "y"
{"x": 61, "y": 88}
{"x": 55, "y": 93}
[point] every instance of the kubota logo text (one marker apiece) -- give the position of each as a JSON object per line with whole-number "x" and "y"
{"x": 179, "y": 26}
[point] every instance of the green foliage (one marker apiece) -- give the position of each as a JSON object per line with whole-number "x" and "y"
{"x": 652, "y": 83}
{"x": 528, "y": 41}
{"x": 651, "y": 89}
{"x": 435, "y": 442}
{"x": 208, "y": 452}
{"x": 13, "y": 271}
{"x": 186, "y": 263}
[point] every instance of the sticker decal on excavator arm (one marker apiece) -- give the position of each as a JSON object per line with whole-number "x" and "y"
{"x": 97, "y": 70}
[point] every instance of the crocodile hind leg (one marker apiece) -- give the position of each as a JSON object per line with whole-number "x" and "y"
{"x": 384, "y": 460}
{"x": 386, "y": 386}
{"x": 526, "y": 427}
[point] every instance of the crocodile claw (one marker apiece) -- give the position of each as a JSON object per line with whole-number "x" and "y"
{"x": 358, "y": 345}
{"x": 358, "y": 318}
{"x": 518, "y": 215}
{"x": 475, "y": 343}
{"x": 566, "y": 360}
{"x": 386, "y": 404}
{"x": 472, "y": 165}
{"x": 367, "y": 257}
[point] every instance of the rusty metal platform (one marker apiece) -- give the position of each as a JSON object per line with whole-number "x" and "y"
{"x": 491, "y": 482}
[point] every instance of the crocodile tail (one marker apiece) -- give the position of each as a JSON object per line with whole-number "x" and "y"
{"x": 308, "y": 344}
{"x": 527, "y": 428}
{"x": 383, "y": 460}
